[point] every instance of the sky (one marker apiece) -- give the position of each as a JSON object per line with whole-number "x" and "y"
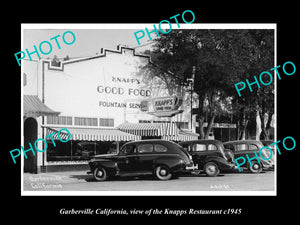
{"x": 88, "y": 41}
{"x": 90, "y": 38}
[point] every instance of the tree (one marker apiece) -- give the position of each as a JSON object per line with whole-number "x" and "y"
{"x": 260, "y": 99}
{"x": 221, "y": 58}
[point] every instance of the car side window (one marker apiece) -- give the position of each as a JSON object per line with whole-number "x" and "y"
{"x": 128, "y": 149}
{"x": 241, "y": 147}
{"x": 253, "y": 147}
{"x": 212, "y": 147}
{"x": 198, "y": 147}
{"x": 160, "y": 148}
{"x": 145, "y": 148}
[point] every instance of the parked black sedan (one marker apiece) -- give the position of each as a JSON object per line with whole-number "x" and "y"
{"x": 159, "y": 157}
{"x": 241, "y": 148}
{"x": 210, "y": 156}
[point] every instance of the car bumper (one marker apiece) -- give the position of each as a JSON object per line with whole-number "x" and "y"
{"x": 234, "y": 167}
{"x": 267, "y": 164}
{"x": 227, "y": 166}
{"x": 192, "y": 167}
{"x": 183, "y": 168}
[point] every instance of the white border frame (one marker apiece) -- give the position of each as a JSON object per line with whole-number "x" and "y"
{"x": 150, "y": 193}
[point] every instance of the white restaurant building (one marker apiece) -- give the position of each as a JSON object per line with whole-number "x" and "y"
{"x": 104, "y": 101}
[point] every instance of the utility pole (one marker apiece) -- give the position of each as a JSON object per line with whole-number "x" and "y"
{"x": 191, "y": 82}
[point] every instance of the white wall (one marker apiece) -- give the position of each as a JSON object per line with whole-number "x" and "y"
{"x": 30, "y": 68}
{"x": 75, "y": 90}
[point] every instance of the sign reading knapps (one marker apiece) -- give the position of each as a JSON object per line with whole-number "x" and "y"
{"x": 166, "y": 103}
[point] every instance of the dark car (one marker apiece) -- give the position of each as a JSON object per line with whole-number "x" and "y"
{"x": 242, "y": 147}
{"x": 159, "y": 157}
{"x": 268, "y": 143}
{"x": 210, "y": 156}
{"x": 272, "y": 147}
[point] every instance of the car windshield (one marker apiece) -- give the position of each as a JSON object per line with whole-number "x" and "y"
{"x": 127, "y": 150}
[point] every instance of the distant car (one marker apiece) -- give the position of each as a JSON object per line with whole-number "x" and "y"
{"x": 210, "y": 156}
{"x": 267, "y": 143}
{"x": 159, "y": 157}
{"x": 242, "y": 147}
{"x": 272, "y": 147}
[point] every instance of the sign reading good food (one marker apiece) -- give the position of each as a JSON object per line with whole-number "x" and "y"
{"x": 128, "y": 87}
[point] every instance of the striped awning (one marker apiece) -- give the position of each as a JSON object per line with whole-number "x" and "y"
{"x": 93, "y": 134}
{"x": 141, "y": 129}
{"x": 33, "y": 106}
{"x": 167, "y": 131}
{"x": 185, "y": 135}
{"x": 63, "y": 134}
{"x": 181, "y": 136}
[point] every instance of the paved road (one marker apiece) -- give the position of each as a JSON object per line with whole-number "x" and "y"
{"x": 80, "y": 181}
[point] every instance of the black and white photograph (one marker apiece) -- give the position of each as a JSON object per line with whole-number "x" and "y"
{"x": 108, "y": 113}
{"x": 143, "y": 111}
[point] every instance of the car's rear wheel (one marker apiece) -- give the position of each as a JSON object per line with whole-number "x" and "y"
{"x": 162, "y": 172}
{"x": 211, "y": 169}
{"x": 100, "y": 174}
{"x": 256, "y": 167}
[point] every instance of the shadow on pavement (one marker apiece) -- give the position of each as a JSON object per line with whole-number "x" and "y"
{"x": 90, "y": 178}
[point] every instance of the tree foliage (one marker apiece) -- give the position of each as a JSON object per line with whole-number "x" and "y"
{"x": 220, "y": 58}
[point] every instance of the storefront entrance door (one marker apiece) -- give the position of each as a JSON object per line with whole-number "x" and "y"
{"x": 30, "y": 136}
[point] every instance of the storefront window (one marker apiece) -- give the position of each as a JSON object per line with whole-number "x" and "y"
{"x": 79, "y": 150}
{"x": 84, "y": 149}
{"x": 60, "y": 120}
{"x": 85, "y": 121}
{"x": 61, "y": 152}
{"x": 106, "y": 122}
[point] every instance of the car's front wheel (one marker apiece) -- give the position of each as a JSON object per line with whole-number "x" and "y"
{"x": 256, "y": 167}
{"x": 211, "y": 169}
{"x": 100, "y": 174}
{"x": 163, "y": 172}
